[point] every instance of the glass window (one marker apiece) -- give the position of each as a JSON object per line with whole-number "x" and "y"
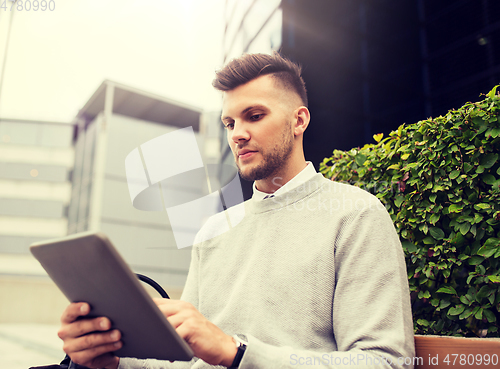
{"x": 31, "y": 208}
{"x": 270, "y": 37}
{"x": 19, "y": 133}
{"x": 36, "y": 133}
{"x": 259, "y": 13}
{"x": 236, "y": 11}
{"x": 56, "y": 135}
{"x": 34, "y": 172}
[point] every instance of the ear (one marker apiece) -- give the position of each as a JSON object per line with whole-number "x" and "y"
{"x": 301, "y": 120}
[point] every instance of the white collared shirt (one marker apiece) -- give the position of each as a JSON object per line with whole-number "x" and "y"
{"x": 303, "y": 176}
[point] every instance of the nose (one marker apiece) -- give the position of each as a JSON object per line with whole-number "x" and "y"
{"x": 239, "y": 133}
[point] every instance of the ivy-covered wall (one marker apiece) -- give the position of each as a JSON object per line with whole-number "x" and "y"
{"x": 440, "y": 181}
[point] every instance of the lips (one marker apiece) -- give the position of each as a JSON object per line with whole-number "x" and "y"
{"x": 245, "y": 153}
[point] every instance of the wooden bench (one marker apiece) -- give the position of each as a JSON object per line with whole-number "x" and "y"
{"x": 436, "y": 352}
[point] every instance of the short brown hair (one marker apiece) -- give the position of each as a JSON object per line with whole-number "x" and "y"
{"x": 250, "y": 66}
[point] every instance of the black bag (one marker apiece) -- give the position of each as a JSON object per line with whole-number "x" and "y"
{"x": 68, "y": 364}
{"x": 65, "y": 364}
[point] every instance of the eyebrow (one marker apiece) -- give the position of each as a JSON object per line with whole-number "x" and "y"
{"x": 246, "y": 110}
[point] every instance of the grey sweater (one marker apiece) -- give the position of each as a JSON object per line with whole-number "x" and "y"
{"x": 314, "y": 277}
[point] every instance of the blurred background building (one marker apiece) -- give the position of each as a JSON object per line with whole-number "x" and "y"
{"x": 36, "y": 159}
{"x": 116, "y": 120}
{"x": 372, "y": 65}
{"x": 62, "y": 178}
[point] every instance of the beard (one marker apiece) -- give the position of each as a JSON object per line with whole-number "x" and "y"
{"x": 272, "y": 161}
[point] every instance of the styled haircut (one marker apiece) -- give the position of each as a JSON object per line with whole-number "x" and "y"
{"x": 250, "y": 66}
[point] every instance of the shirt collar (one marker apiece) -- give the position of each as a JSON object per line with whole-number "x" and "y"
{"x": 303, "y": 176}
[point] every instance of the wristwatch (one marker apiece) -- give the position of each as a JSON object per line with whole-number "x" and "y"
{"x": 241, "y": 345}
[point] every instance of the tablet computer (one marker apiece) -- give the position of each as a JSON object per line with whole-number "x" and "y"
{"x": 87, "y": 268}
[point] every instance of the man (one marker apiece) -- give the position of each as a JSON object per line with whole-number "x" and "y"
{"x": 313, "y": 275}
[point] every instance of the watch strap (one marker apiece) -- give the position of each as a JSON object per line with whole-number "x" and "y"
{"x": 239, "y": 353}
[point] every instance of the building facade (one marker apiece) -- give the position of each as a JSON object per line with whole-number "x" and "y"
{"x": 372, "y": 65}
{"x": 36, "y": 159}
{"x": 117, "y": 120}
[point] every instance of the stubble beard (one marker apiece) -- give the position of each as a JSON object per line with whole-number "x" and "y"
{"x": 272, "y": 162}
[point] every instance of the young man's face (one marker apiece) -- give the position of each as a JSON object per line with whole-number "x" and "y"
{"x": 258, "y": 116}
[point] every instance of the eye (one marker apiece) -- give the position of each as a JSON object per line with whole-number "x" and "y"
{"x": 229, "y": 126}
{"x": 256, "y": 117}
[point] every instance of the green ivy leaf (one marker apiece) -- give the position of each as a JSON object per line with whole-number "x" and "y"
{"x": 447, "y": 289}
{"x": 434, "y": 218}
{"x": 479, "y": 314}
{"x": 464, "y": 228}
{"x": 488, "y": 160}
{"x": 423, "y": 322}
{"x": 489, "y": 248}
{"x": 429, "y": 241}
{"x": 360, "y": 159}
{"x": 399, "y": 200}
{"x": 483, "y": 292}
{"x": 475, "y": 260}
{"x": 492, "y": 242}
{"x": 473, "y": 230}
{"x": 486, "y": 252}
{"x": 467, "y": 313}
{"x": 440, "y": 325}
{"x": 489, "y": 179}
{"x": 444, "y": 303}
{"x": 494, "y": 278}
{"x": 409, "y": 246}
{"x": 495, "y": 132}
{"x": 456, "y": 310}
{"x": 454, "y": 174}
{"x": 489, "y": 315}
{"x": 436, "y": 233}
{"x": 435, "y": 302}
{"x": 492, "y": 93}
{"x": 467, "y": 299}
{"x": 393, "y": 166}
{"x": 482, "y": 206}
{"x": 455, "y": 208}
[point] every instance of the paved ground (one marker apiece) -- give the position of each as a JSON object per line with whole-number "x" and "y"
{"x": 25, "y": 345}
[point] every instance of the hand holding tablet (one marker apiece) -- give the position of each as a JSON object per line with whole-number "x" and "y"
{"x": 87, "y": 268}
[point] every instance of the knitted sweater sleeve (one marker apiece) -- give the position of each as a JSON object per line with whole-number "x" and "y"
{"x": 372, "y": 323}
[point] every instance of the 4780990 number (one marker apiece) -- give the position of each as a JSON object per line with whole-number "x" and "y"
{"x": 469, "y": 360}
{"x": 28, "y": 5}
